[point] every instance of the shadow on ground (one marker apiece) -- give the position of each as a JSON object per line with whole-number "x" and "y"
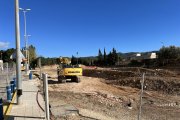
{"x": 57, "y": 82}
{"x": 10, "y": 117}
{"x": 53, "y": 82}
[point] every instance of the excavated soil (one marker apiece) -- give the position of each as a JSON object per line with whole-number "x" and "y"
{"x": 157, "y": 80}
{"x": 114, "y": 94}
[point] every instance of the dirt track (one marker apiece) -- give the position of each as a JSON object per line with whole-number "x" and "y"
{"x": 97, "y": 100}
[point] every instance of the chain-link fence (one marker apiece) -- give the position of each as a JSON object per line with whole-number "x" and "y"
{"x": 7, "y": 73}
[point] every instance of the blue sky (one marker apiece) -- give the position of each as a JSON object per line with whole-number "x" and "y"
{"x": 63, "y": 27}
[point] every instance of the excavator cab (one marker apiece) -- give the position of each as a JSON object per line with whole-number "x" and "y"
{"x": 66, "y": 71}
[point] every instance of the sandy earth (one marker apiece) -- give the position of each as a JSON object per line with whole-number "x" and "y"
{"x": 97, "y": 100}
{"x": 93, "y": 98}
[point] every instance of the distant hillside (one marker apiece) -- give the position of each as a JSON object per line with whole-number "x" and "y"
{"x": 130, "y": 54}
{"x": 126, "y": 55}
{"x": 90, "y": 57}
{"x": 123, "y": 55}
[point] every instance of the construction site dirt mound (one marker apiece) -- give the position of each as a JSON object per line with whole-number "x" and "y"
{"x": 158, "y": 80}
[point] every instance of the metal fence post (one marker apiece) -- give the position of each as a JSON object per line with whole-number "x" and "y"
{"x": 140, "y": 106}
{"x": 43, "y": 80}
{"x": 39, "y": 65}
{"x": 46, "y": 96}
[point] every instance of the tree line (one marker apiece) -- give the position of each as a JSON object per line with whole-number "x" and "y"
{"x": 102, "y": 59}
{"x": 166, "y": 56}
{"x": 108, "y": 59}
{"x": 6, "y": 54}
{"x": 169, "y": 55}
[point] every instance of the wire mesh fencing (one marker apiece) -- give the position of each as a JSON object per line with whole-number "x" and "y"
{"x": 7, "y": 73}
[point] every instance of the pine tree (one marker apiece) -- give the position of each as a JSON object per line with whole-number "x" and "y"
{"x": 109, "y": 59}
{"x": 114, "y": 56}
{"x": 105, "y": 57}
{"x": 100, "y": 57}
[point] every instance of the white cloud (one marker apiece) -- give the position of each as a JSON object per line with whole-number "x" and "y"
{"x": 4, "y": 45}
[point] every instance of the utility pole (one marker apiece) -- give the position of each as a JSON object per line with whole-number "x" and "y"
{"x": 27, "y": 51}
{"x": 25, "y": 36}
{"x": 18, "y": 59}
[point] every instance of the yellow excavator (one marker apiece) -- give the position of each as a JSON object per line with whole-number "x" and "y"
{"x": 66, "y": 71}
